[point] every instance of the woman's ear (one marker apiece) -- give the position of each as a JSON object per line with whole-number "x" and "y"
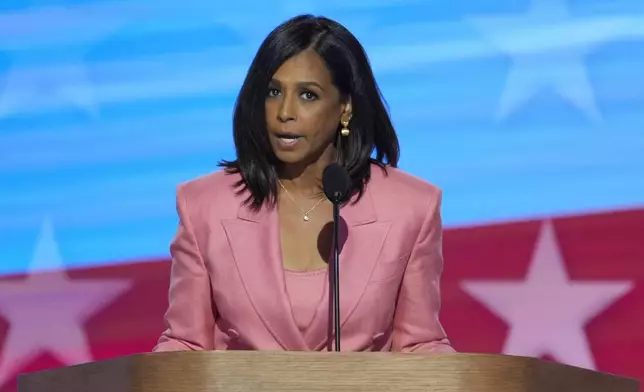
{"x": 347, "y": 111}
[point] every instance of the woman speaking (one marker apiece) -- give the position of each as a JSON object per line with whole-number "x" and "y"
{"x": 251, "y": 254}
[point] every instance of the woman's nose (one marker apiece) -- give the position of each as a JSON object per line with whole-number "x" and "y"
{"x": 287, "y": 111}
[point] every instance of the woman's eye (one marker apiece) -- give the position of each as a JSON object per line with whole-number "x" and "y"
{"x": 309, "y": 96}
{"x": 273, "y": 92}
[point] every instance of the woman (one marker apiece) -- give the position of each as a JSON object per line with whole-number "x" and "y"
{"x": 249, "y": 260}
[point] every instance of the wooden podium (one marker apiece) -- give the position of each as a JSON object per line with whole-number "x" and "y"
{"x": 248, "y": 371}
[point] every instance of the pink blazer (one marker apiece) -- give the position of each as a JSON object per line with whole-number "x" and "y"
{"x": 227, "y": 289}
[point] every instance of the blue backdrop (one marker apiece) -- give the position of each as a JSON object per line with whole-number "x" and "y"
{"x": 515, "y": 109}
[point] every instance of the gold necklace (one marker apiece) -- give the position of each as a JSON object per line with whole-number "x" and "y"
{"x": 304, "y": 213}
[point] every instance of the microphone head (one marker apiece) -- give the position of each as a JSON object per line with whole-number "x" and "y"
{"x": 336, "y": 182}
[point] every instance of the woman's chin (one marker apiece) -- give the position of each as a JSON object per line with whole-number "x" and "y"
{"x": 291, "y": 154}
{"x": 299, "y": 156}
{"x": 290, "y": 157}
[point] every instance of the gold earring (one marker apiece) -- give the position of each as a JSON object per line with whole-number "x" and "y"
{"x": 345, "y": 130}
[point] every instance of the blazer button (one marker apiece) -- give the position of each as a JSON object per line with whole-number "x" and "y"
{"x": 232, "y": 334}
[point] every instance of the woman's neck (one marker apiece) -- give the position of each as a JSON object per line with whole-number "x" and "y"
{"x": 304, "y": 180}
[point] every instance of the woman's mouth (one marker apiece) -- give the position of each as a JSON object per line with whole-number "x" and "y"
{"x": 287, "y": 140}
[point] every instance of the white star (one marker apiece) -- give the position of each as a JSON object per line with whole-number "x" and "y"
{"x": 547, "y": 312}
{"x": 36, "y": 85}
{"x": 47, "y": 310}
{"x": 547, "y": 48}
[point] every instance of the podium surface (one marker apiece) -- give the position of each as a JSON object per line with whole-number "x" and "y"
{"x": 236, "y": 371}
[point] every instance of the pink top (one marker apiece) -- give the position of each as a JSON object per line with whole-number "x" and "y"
{"x": 305, "y": 290}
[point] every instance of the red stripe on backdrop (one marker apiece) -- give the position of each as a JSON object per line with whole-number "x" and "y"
{"x": 592, "y": 249}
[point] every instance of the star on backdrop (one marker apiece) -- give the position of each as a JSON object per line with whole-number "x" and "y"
{"x": 547, "y": 48}
{"x": 46, "y": 310}
{"x": 33, "y": 86}
{"x": 546, "y": 313}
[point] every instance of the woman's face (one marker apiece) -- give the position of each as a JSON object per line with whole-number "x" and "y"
{"x": 303, "y": 110}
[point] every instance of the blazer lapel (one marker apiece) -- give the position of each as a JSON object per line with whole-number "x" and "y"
{"x": 361, "y": 241}
{"x": 254, "y": 239}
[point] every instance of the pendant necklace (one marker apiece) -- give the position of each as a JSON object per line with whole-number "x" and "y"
{"x": 305, "y": 214}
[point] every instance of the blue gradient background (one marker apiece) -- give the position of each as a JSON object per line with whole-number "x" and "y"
{"x": 105, "y": 106}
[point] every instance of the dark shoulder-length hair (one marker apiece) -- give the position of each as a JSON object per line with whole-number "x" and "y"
{"x": 370, "y": 125}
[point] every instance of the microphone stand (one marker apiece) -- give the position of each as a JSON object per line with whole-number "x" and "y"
{"x": 335, "y": 279}
{"x": 336, "y": 182}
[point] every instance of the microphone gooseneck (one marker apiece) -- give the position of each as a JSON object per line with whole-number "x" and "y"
{"x": 336, "y": 183}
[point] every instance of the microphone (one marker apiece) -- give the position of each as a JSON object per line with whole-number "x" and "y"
{"x": 336, "y": 183}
